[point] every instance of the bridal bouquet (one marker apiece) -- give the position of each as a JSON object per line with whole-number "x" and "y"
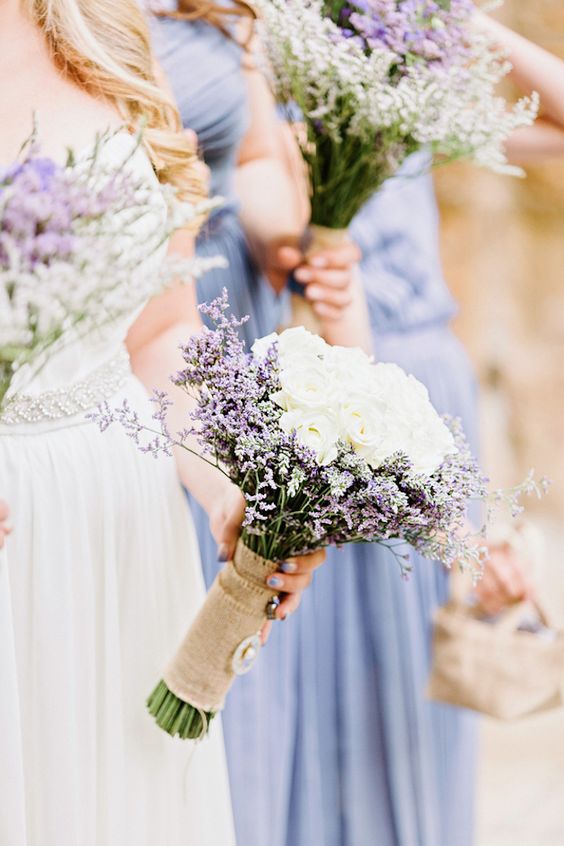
{"x": 376, "y": 80}
{"x": 328, "y": 448}
{"x": 71, "y": 258}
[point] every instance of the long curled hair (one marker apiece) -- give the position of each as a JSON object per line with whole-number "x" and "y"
{"x": 214, "y": 13}
{"x": 104, "y": 46}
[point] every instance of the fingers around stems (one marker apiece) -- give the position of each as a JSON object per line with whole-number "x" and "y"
{"x": 292, "y": 578}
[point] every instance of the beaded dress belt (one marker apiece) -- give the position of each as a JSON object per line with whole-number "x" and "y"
{"x": 100, "y": 385}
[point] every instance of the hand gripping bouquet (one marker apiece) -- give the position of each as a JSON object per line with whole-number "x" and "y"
{"x": 372, "y": 81}
{"x": 328, "y": 448}
{"x": 71, "y": 259}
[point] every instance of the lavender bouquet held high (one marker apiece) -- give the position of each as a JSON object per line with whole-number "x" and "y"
{"x": 71, "y": 260}
{"x": 376, "y": 80}
{"x": 328, "y": 448}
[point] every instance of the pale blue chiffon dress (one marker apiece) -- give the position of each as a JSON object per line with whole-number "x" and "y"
{"x": 330, "y": 741}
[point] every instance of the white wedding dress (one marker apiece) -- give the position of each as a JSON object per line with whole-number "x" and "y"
{"x": 98, "y": 583}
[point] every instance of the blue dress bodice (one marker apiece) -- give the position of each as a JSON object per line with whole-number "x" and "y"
{"x": 397, "y": 232}
{"x": 204, "y": 70}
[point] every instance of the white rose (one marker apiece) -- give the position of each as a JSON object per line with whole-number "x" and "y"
{"x": 304, "y": 386}
{"x": 261, "y": 346}
{"x": 430, "y": 442}
{"x": 349, "y": 368}
{"x": 367, "y": 425}
{"x": 297, "y": 344}
{"x": 418, "y": 431}
{"x": 316, "y": 429}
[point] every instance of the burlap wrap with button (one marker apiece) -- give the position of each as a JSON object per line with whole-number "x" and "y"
{"x": 201, "y": 673}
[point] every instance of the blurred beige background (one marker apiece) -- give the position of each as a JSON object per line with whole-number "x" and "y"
{"x": 503, "y": 250}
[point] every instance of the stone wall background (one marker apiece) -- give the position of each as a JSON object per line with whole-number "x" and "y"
{"x": 503, "y": 250}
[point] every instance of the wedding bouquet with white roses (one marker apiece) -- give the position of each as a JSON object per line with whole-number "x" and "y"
{"x": 71, "y": 260}
{"x": 328, "y": 448}
{"x": 366, "y": 83}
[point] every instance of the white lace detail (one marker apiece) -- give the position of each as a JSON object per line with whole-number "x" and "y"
{"x": 66, "y": 402}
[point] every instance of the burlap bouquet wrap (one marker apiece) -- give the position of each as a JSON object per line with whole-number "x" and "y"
{"x": 202, "y": 671}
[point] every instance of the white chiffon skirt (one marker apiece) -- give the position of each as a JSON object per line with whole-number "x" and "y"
{"x": 98, "y": 583}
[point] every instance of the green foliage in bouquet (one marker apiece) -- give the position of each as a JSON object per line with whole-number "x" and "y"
{"x": 368, "y": 83}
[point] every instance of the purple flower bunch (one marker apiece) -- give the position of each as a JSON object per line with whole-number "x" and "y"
{"x": 44, "y": 208}
{"x": 81, "y": 245}
{"x": 296, "y": 500}
{"x": 430, "y": 31}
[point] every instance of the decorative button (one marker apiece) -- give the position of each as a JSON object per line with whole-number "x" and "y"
{"x": 245, "y": 655}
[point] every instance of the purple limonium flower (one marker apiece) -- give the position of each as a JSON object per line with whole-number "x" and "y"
{"x": 430, "y": 31}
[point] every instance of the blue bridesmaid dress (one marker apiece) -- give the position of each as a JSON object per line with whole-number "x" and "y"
{"x": 397, "y": 770}
{"x": 334, "y": 719}
{"x": 329, "y": 739}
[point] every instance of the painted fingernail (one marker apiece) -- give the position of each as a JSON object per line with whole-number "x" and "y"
{"x": 274, "y": 581}
{"x": 288, "y": 567}
{"x": 222, "y": 553}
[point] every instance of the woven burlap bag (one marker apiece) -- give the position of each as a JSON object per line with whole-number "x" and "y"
{"x": 202, "y": 671}
{"x": 493, "y": 667}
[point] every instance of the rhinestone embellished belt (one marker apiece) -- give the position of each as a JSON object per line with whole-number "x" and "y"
{"x": 66, "y": 402}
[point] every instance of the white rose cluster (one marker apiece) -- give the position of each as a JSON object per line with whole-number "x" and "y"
{"x": 330, "y": 394}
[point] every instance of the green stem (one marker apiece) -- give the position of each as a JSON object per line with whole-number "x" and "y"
{"x": 176, "y": 717}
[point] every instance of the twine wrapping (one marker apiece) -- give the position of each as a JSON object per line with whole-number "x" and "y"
{"x": 317, "y": 238}
{"x": 201, "y": 673}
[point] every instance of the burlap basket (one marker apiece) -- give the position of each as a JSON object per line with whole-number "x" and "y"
{"x": 222, "y": 642}
{"x": 495, "y": 668}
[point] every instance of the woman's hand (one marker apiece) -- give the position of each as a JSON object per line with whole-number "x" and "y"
{"x": 505, "y": 581}
{"x": 225, "y": 516}
{"x": 293, "y": 576}
{"x": 327, "y": 276}
{"x": 4, "y": 528}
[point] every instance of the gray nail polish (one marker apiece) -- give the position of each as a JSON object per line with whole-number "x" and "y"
{"x": 274, "y": 582}
{"x": 222, "y": 553}
{"x": 288, "y": 567}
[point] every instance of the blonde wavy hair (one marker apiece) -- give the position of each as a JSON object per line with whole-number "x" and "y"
{"x": 104, "y": 46}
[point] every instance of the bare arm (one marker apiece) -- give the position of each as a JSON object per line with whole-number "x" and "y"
{"x": 153, "y": 341}
{"x": 153, "y": 344}
{"x": 534, "y": 69}
{"x": 271, "y": 210}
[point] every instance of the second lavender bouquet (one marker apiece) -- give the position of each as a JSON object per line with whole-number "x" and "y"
{"x": 366, "y": 83}
{"x": 377, "y": 80}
